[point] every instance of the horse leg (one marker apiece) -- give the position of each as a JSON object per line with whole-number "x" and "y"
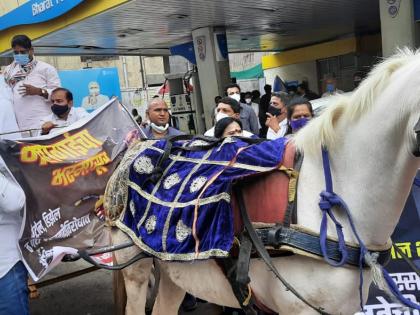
{"x": 136, "y": 276}
{"x": 169, "y": 298}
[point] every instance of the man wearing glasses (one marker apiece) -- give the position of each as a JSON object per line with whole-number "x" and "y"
{"x": 31, "y": 82}
{"x": 276, "y": 116}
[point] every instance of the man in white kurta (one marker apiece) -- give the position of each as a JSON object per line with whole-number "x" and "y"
{"x": 31, "y": 82}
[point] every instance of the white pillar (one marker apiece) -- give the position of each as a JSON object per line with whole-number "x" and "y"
{"x": 397, "y": 25}
{"x": 213, "y": 71}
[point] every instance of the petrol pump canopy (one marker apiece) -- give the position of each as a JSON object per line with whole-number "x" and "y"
{"x": 150, "y": 27}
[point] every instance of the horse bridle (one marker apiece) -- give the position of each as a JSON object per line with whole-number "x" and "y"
{"x": 416, "y": 152}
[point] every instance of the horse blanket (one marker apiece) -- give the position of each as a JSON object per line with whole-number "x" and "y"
{"x": 187, "y": 214}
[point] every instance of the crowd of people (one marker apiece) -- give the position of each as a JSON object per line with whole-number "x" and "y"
{"x": 276, "y": 115}
{"x": 272, "y": 116}
{"x": 41, "y": 106}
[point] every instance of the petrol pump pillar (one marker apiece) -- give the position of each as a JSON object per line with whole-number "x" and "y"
{"x": 397, "y": 25}
{"x": 211, "y": 53}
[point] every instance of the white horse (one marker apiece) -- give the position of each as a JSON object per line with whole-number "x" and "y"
{"x": 370, "y": 138}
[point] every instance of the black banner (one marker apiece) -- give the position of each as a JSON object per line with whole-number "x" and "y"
{"x": 64, "y": 177}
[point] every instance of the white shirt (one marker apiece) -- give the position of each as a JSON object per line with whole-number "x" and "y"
{"x": 31, "y": 109}
{"x": 12, "y": 200}
{"x": 7, "y": 115}
{"x": 245, "y": 133}
{"x": 271, "y": 134}
{"x": 75, "y": 114}
{"x": 337, "y": 91}
{"x": 94, "y": 102}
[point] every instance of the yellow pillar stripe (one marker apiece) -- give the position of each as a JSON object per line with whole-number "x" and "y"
{"x": 314, "y": 52}
{"x": 83, "y": 11}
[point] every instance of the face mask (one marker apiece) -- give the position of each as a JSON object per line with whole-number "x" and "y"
{"x": 330, "y": 88}
{"x": 220, "y": 116}
{"x": 21, "y": 59}
{"x": 94, "y": 91}
{"x": 159, "y": 129}
{"x": 248, "y": 100}
{"x": 274, "y": 111}
{"x": 236, "y": 97}
{"x": 298, "y": 123}
{"x": 59, "y": 110}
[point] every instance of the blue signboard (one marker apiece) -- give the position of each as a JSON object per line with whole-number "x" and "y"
{"x": 407, "y": 237}
{"x": 91, "y": 88}
{"x": 36, "y": 11}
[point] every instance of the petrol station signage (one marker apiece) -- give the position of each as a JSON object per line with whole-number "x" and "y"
{"x": 36, "y": 11}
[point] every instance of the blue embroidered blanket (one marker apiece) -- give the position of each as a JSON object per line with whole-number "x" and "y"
{"x": 159, "y": 217}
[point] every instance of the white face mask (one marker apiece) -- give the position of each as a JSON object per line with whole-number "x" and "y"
{"x": 159, "y": 129}
{"x": 221, "y": 115}
{"x": 236, "y": 97}
{"x": 94, "y": 91}
{"x": 248, "y": 100}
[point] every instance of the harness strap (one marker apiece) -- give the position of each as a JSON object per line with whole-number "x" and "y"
{"x": 240, "y": 290}
{"x": 245, "y": 249}
{"x": 279, "y": 236}
{"x": 262, "y": 252}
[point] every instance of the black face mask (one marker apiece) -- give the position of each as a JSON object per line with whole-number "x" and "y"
{"x": 274, "y": 111}
{"x": 59, "y": 110}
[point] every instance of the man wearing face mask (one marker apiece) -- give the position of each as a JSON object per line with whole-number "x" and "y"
{"x": 228, "y": 107}
{"x": 254, "y": 106}
{"x": 331, "y": 88}
{"x": 158, "y": 114}
{"x": 247, "y": 116}
{"x": 63, "y": 112}
{"x": 31, "y": 81}
{"x": 94, "y": 99}
{"x": 276, "y": 116}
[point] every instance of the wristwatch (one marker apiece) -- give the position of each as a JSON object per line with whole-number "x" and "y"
{"x": 44, "y": 93}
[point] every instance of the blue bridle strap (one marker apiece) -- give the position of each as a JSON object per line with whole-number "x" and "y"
{"x": 329, "y": 199}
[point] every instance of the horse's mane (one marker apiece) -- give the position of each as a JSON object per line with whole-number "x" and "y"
{"x": 320, "y": 131}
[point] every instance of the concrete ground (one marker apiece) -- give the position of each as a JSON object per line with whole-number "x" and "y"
{"x": 89, "y": 294}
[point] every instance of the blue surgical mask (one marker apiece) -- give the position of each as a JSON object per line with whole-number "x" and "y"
{"x": 298, "y": 123}
{"x": 21, "y": 59}
{"x": 330, "y": 87}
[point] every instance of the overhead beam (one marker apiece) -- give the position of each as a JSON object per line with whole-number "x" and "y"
{"x": 313, "y": 52}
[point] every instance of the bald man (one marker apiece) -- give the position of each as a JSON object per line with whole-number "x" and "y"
{"x": 158, "y": 114}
